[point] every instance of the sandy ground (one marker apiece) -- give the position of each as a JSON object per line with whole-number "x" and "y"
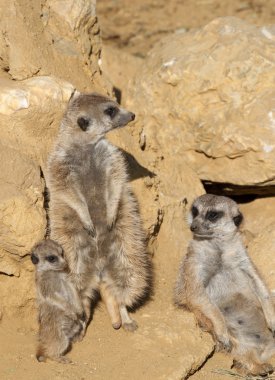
{"x": 155, "y": 351}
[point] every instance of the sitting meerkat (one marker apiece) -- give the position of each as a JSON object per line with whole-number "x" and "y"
{"x": 61, "y": 315}
{"x": 93, "y": 212}
{"x": 220, "y": 285}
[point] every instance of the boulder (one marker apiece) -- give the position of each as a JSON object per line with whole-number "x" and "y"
{"x": 261, "y": 250}
{"x": 30, "y": 113}
{"x": 22, "y": 216}
{"x": 52, "y": 37}
{"x": 207, "y": 97}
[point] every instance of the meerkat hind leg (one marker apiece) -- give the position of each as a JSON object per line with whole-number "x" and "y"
{"x": 249, "y": 365}
{"x": 112, "y": 306}
{"x": 127, "y": 322}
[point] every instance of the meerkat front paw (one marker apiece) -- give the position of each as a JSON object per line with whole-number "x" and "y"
{"x": 90, "y": 229}
{"x": 223, "y": 343}
{"x": 111, "y": 223}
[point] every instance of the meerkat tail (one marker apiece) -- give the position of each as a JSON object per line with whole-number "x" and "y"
{"x": 112, "y": 306}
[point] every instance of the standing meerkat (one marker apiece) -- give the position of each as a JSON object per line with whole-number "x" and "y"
{"x": 61, "y": 314}
{"x": 93, "y": 212}
{"x": 220, "y": 285}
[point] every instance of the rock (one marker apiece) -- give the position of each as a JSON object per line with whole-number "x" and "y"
{"x": 261, "y": 250}
{"x": 18, "y": 294}
{"x": 258, "y": 214}
{"x": 33, "y": 108}
{"x": 119, "y": 66}
{"x": 178, "y": 187}
{"x": 178, "y": 348}
{"x": 58, "y": 38}
{"x": 8, "y": 265}
{"x": 22, "y": 217}
{"x": 207, "y": 96}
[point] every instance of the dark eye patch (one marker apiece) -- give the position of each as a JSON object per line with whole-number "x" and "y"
{"x": 111, "y": 111}
{"x": 238, "y": 219}
{"x": 51, "y": 258}
{"x": 34, "y": 259}
{"x": 213, "y": 215}
{"x": 194, "y": 211}
{"x": 83, "y": 123}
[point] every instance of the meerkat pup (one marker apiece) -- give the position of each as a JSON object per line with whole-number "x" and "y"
{"x": 61, "y": 315}
{"x": 93, "y": 212}
{"x": 220, "y": 285}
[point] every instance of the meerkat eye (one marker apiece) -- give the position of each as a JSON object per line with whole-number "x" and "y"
{"x": 51, "y": 258}
{"x": 238, "y": 219}
{"x": 83, "y": 123}
{"x": 111, "y": 111}
{"x": 194, "y": 211}
{"x": 213, "y": 215}
{"x": 34, "y": 259}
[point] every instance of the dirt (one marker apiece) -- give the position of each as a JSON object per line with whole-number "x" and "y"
{"x": 135, "y": 26}
{"x": 167, "y": 341}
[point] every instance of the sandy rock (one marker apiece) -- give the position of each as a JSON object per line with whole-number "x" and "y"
{"x": 258, "y": 214}
{"x": 33, "y": 108}
{"x": 18, "y": 294}
{"x": 261, "y": 250}
{"x": 22, "y": 217}
{"x": 58, "y": 38}
{"x": 208, "y": 97}
{"x": 178, "y": 187}
{"x": 119, "y": 66}
{"x": 178, "y": 348}
{"x": 9, "y": 265}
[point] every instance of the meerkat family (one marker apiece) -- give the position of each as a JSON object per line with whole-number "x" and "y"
{"x": 220, "y": 285}
{"x": 94, "y": 214}
{"x": 95, "y": 224}
{"x": 61, "y": 314}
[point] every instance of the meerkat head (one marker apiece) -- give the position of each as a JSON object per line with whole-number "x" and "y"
{"x": 94, "y": 115}
{"x": 213, "y": 216}
{"x": 48, "y": 255}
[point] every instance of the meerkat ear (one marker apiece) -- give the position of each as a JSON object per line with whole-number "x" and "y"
{"x": 238, "y": 219}
{"x": 34, "y": 259}
{"x": 83, "y": 122}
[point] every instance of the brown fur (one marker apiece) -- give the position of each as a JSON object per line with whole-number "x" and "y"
{"x": 93, "y": 212}
{"x": 61, "y": 315}
{"x": 220, "y": 285}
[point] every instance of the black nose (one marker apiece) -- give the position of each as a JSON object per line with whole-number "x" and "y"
{"x": 133, "y": 116}
{"x": 193, "y": 228}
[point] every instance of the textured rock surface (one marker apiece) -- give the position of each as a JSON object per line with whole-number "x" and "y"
{"x": 22, "y": 217}
{"x": 128, "y": 24}
{"x": 261, "y": 250}
{"x": 209, "y": 94}
{"x": 259, "y": 214}
{"x": 60, "y": 38}
{"x": 31, "y": 111}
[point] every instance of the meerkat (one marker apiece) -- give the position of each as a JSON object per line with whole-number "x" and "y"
{"x": 61, "y": 314}
{"x": 218, "y": 282}
{"x": 94, "y": 214}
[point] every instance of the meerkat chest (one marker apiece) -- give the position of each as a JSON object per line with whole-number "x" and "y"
{"x": 92, "y": 165}
{"x": 215, "y": 266}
